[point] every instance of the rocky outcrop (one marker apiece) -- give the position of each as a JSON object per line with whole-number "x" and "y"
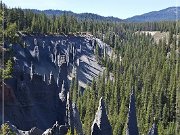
{"x": 101, "y": 125}
{"x": 153, "y": 130}
{"x": 132, "y": 128}
{"x": 56, "y": 130}
{"x": 32, "y": 131}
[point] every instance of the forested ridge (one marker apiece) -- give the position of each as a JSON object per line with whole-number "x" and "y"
{"x": 153, "y": 76}
{"x": 139, "y": 63}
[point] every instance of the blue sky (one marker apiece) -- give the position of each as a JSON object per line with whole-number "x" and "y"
{"x": 117, "y": 8}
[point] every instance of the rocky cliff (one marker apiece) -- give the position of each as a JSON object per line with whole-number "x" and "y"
{"x": 37, "y": 94}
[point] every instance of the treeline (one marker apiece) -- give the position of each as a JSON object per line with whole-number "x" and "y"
{"x": 16, "y": 19}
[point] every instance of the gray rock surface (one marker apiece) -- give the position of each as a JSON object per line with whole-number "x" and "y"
{"x": 40, "y": 68}
{"x": 101, "y": 124}
{"x": 63, "y": 129}
{"x": 132, "y": 128}
{"x": 52, "y": 131}
{"x": 56, "y": 130}
{"x": 32, "y": 131}
{"x": 69, "y": 113}
{"x": 95, "y": 130}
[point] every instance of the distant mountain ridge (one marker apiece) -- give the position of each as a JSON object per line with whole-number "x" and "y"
{"x": 81, "y": 16}
{"x": 168, "y": 14}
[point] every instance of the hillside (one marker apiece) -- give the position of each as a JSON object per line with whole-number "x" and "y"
{"x": 168, "y": 14}
{"x": 81, "y": 16}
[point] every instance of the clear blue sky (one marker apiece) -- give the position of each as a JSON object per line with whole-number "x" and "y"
{"x": 117, "y": 8}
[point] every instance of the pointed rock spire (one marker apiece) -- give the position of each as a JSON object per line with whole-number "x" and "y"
{"x": 104, "y": 50}
{"x": 51, "y": 78}
{"x": 31, "y": 70}
{"x": 77, "y": 121}
{"x": 69, "y": 115}
{"x": 57, "y": 81}
{"x": 74, "y": 71}
{"x": 80, "y": 48}
{"x": 67, "y": 58}
{"x": 35, "y": 41}
{"x": 45, "y": 78}
{"x": 43, "y": 44}
{"x": 101, "y": 120}
{"x": 59, "y": 60}
{"x": 62, "y": 95}
{"x": 52, "y": 57}
{"x": 153, "y": 130}
{"x": 132, "y": 128}
{"x": 63, "y": 86}
{"x": 78, "y": 61}
{"x": 36, "y": 52}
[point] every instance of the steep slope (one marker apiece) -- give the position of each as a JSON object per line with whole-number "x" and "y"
{"x": 168, "y": 14}
{"x": 43, "y": 69}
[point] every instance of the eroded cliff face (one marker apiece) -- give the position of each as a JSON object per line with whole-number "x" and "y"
{"x": 36, "y": 95}
{"x": 33, "y": 101}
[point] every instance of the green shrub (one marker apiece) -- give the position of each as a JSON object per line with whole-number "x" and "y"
{"x": 5, "y": 130}
{"x": 7, "y": 71}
